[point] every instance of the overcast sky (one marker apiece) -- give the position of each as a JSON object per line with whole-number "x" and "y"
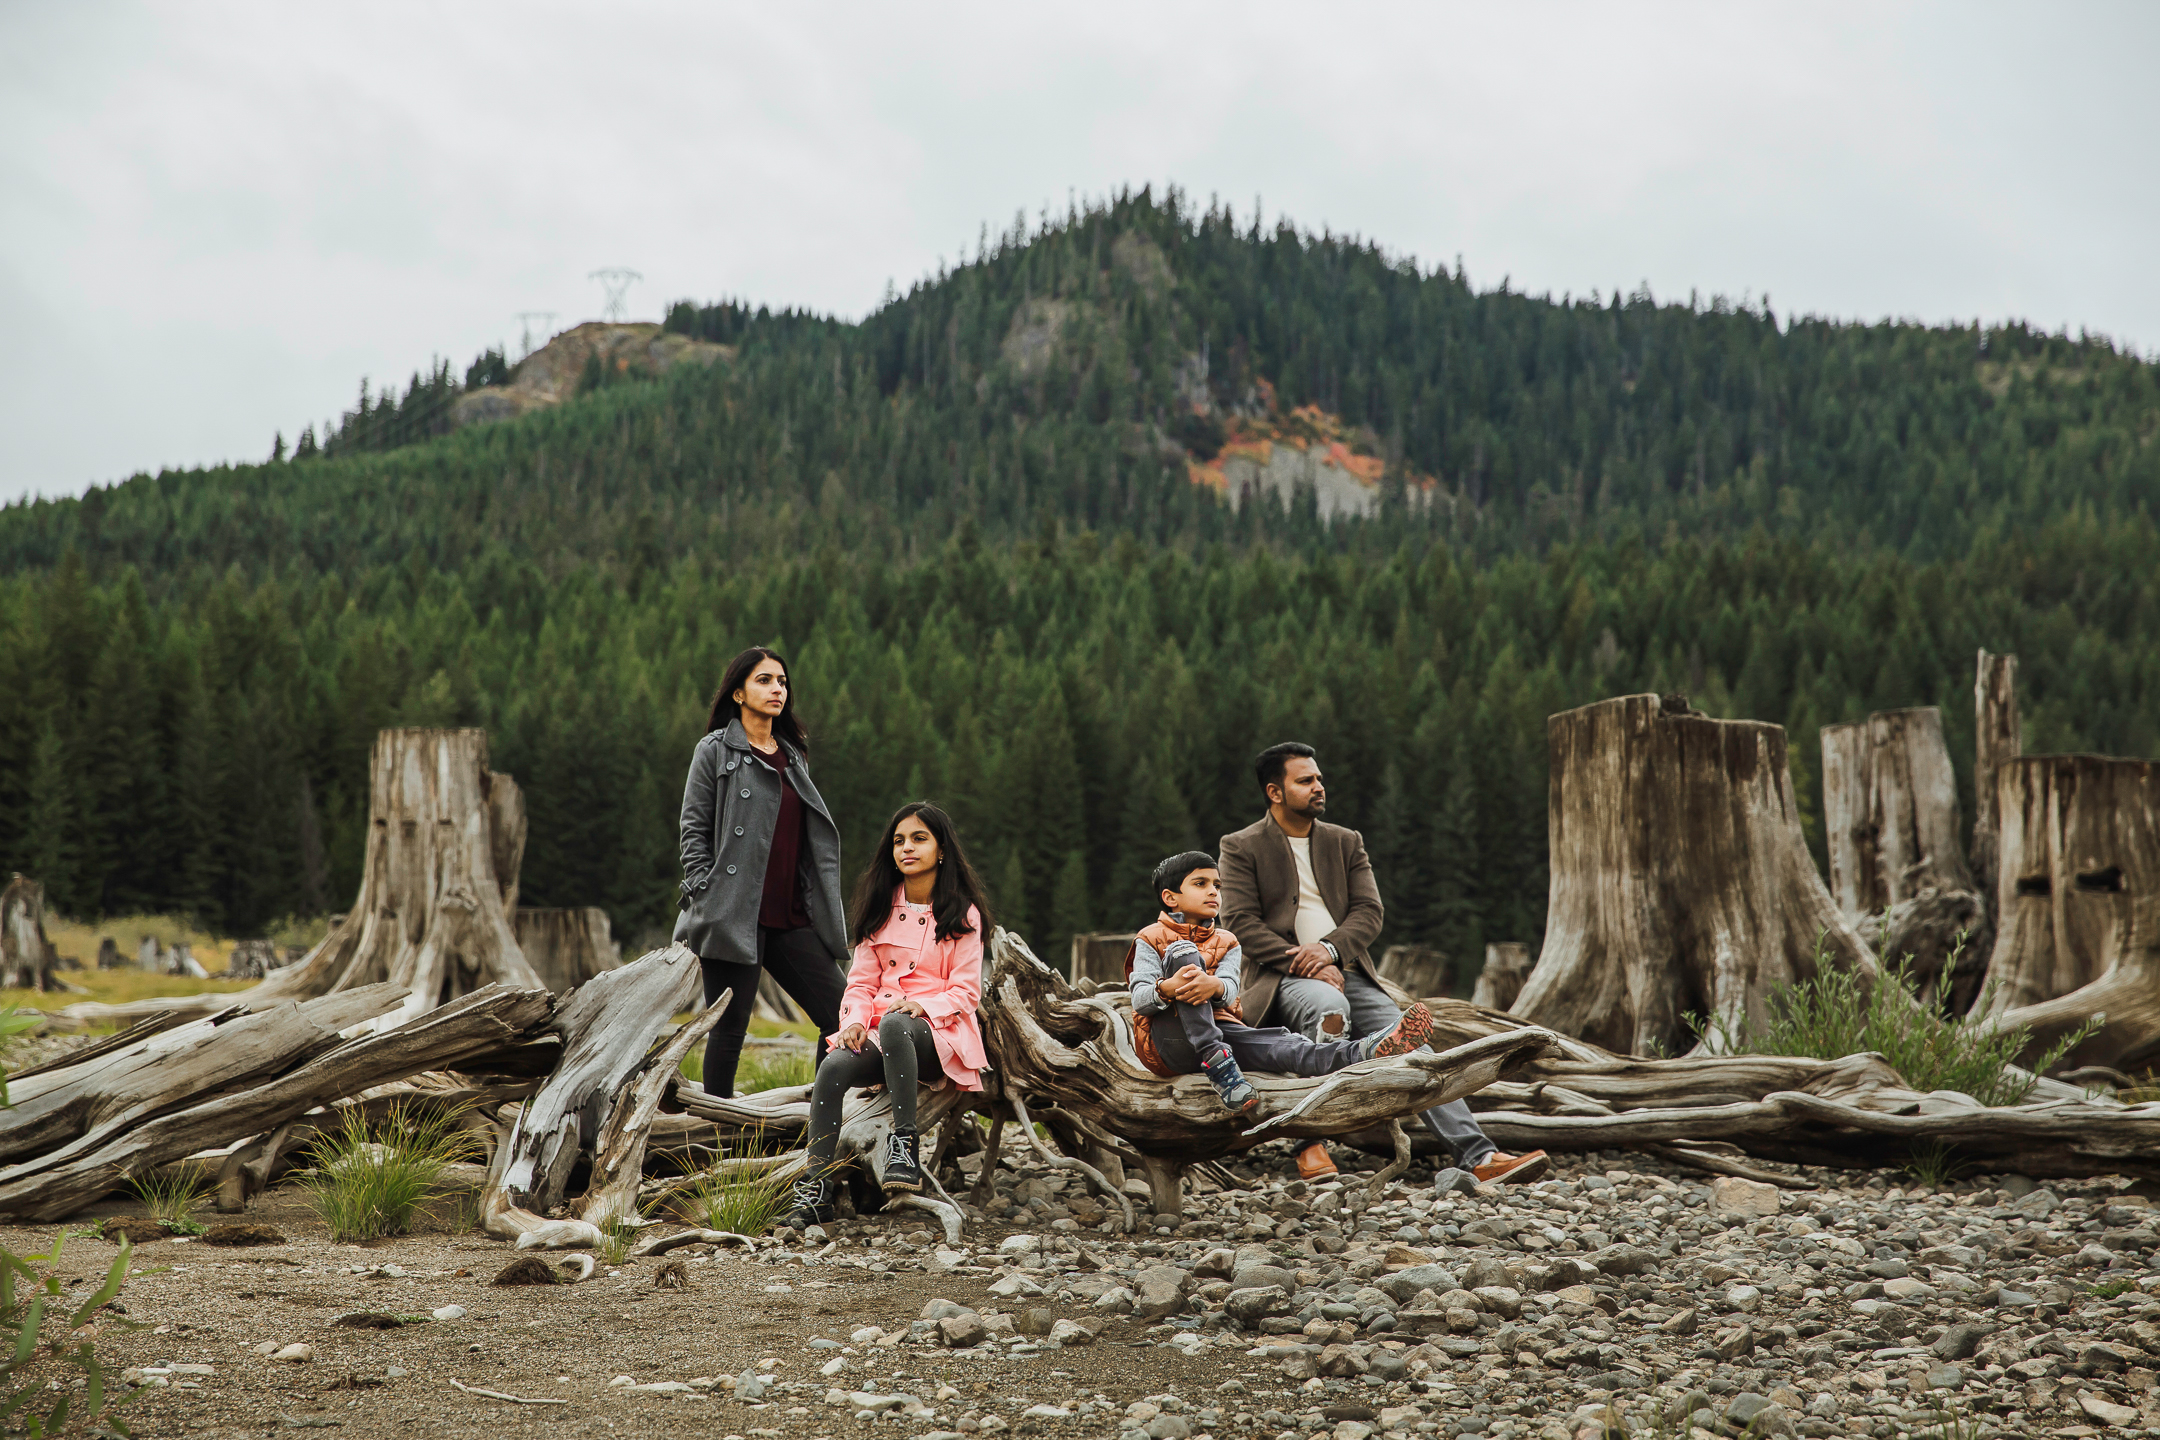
{"x": 215, "y": 218}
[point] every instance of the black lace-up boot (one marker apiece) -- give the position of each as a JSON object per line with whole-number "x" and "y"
{"x": 903, "y": 1167}
{"x": 813, "y": 1202}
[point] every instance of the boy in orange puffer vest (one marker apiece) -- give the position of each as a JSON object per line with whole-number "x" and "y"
{"x": 1183, "y": 973}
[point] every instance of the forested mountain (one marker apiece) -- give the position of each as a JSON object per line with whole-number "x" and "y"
{"x": 972, "y": 521}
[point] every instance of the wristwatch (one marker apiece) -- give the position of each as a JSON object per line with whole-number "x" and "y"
{"x": 1329, "y": 946}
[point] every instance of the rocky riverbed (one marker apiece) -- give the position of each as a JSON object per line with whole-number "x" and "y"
{"x": 1619, "y": 1292}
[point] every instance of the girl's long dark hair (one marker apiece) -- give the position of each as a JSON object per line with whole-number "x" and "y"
{"x": 725, "y": 707}
{"x": 956, "y": 888}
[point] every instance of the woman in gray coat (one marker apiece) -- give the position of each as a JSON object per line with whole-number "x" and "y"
{"x": 761, "y": 862}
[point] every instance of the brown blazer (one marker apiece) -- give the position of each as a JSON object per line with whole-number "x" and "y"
{"x": 1259, "y": 880}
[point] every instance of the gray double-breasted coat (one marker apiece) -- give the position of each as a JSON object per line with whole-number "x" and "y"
{"x": 731, "y": 803}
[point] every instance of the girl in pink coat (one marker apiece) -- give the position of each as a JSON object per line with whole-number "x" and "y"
{"x": 909, "y": 1007}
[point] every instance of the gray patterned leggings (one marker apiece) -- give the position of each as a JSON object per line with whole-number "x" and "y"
{"x": 902, "y": 1051}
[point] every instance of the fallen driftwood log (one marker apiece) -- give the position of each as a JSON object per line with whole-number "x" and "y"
{"x": 468, "y": 1031}
{"x": 1852, "y": 1112}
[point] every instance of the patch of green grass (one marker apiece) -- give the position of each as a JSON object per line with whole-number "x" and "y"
{"x": 775, "y": 1070}
{"x": 1830, "y": 1017}
{"x": 2109, "y": 1289}
{"x": 365, "y": 1184}
{"x": 173, "y": 1194}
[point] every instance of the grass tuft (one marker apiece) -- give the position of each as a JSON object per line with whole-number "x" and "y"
{"x": 745, "y": 1204}
{"x": 365, "y": 1185}
{"x": 173, "y": 1194}
{"x": 1829, "y": 1017}
{"x": 1935, "y": 1164}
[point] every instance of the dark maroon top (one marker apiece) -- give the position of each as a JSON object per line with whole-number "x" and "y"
{"x": 782, "y": 906}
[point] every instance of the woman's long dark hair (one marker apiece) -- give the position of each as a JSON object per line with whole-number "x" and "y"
{"x": 726, "y": 707}
{"x": 956, "y": 888}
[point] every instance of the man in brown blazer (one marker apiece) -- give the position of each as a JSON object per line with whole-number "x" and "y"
{"x": 1298, "y": 894}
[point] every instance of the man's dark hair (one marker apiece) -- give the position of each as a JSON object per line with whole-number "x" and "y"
{"x": 1270, "y": 763}
{"x": 1170, "y": 875}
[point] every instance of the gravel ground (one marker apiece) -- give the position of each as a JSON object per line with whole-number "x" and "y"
{"x": 1618, "y": 1287}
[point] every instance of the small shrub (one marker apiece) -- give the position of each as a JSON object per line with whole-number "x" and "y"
{"x": 34, "y": 1372}
{"x": 173, "y": 1195}
{"x": 2109, "y": 1289}
{"x": 367, "y": 1186}
{"x": 1829, "y": 1017}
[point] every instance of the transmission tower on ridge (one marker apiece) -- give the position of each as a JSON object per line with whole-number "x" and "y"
{"x": 618, "y": 282}
{"x": 526, "y": 318}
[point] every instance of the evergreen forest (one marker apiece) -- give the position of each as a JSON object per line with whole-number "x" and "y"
{"x": 971, "y": 522}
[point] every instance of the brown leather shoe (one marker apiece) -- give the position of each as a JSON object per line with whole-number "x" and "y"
{"x": 1501, "y": 1168}
{"x": 1314, "y": 1163}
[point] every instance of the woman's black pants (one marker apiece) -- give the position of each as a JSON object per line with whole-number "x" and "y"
{"x": 797, "y": 959}
{"x": 904, "y": 1049}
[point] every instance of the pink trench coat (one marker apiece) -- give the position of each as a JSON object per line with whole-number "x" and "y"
{"x": 905, "y": 959}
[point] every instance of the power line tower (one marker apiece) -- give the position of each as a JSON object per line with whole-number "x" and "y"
{"x": 618, "y": 282}
{"x": 526, "y": 318}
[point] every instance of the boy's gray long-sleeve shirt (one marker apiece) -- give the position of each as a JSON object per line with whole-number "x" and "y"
{"x": 1147, "y": 969}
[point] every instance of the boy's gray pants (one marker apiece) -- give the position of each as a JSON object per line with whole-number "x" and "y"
{"x": 1302, "y": 1004}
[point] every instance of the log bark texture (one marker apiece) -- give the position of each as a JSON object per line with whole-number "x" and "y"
{"x": 567, "y": 946}
{"x": 1897, "y": 863}
{"x": 1680, "y": 879}
{"x": 2079, "y": 899}
{"x": 26, "y": 956}
{"x": 1997, "y": 737}
{"x": 1418, "y": 969}
{"x": 438, "y": 889}
{"x": 1890, "y": 810}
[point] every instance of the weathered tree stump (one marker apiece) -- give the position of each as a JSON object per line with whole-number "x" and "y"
{"x": 1680, "y": 880}
{"x": 109, "y": 956}
{"x": 438, "y": 889}
{"x": 2079, "y": 900}
{"x": 1507, "y": 970}
{"x": 1897, "y": 865}
{"x": 27, "y": 958}
{"x": 568, "y": 946}
{"x": 1996, "y": 737}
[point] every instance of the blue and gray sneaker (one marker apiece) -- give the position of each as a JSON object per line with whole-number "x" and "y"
{"x": 1236, "y": 1092}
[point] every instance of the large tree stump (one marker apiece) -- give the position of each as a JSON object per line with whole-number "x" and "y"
{"x": 2079, "y": 900}
{"x": 566, "y": 947}
{"x": 1680, "y": 880}
{"x": 1996, "y": 738}
{"x": 1897, "y": 866}
{"x": 27, "y": 958}
{"x": 438, "y": 889}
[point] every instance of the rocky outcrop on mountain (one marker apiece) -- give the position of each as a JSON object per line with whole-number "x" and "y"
{"x": 552, "y": 374}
